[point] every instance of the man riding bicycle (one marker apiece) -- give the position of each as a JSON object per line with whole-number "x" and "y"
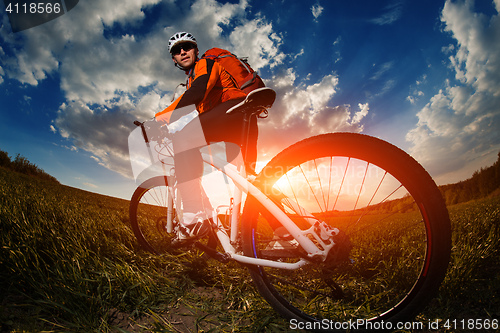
{"x": 211, "y": 90}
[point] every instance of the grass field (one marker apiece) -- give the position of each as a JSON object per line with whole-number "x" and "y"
{"x": 69, "y": 262}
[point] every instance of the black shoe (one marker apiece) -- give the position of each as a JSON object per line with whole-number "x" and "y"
{"x": 197, "y": 228}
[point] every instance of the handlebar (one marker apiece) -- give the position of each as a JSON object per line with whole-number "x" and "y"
{"x": 143, "y": 129}
{"x": 152, "y": 130}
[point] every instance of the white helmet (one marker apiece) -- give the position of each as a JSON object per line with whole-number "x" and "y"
{"x": 180, "y": 37}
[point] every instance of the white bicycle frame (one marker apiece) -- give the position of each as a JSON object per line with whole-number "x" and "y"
{"x": 316, "y": 241}
{"x": 319, "y": 231}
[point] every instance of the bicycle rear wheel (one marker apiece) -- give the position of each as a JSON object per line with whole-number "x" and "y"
{"x": 394, "y": 244}
{"x": 149, "y": 213}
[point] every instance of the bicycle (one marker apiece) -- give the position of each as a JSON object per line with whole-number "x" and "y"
{"x": 339, "y": 227}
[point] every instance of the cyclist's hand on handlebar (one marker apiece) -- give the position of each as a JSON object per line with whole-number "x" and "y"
{"x": 156, "y": 130}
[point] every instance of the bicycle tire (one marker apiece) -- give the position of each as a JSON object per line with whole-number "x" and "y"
{"x": 147, "y": 212}
{"x": 352, "y": 284}
{"x": 148, "y": 215}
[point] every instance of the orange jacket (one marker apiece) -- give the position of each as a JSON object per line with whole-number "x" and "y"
{"x": 209, "y": 84}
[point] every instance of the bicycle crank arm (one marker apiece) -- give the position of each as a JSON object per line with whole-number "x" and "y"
{"x": 221, "y": 257}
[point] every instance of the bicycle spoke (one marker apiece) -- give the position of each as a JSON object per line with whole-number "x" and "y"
{"x": 361, "y": 188}
{"x": 341, "y": 184}
{"x": 310, "y": 187}
{"x": 382, "y": 247}
{"x": 150, "y": 214}
{"x": 156, "y": 197}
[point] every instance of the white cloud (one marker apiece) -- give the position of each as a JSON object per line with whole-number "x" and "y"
{"x": 416, "y": 95}
{"x": 382, "y": 70}
{"x": 393, "y": 12}
{"x": 295, "y": 57}
{"x": 92, "y": 186}
{"x": 109, "y": 80}
{"x": 363, "y": 112}
{"x": 302, "y": 111}
{"x": 316, "y": 10}
{"x": 101, "y": 131}
{"x": 256, "y": 40}
{"x": 458, "y": 128}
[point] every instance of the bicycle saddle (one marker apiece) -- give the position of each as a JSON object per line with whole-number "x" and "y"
{"x": 256, "y": 101}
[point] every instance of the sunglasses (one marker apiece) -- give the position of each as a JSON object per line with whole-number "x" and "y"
{"x": 184, "y": 46}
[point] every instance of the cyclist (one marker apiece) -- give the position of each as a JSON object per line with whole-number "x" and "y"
{"x": 211, "y": 90}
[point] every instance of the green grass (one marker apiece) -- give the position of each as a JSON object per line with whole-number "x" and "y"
{"x": 472, "y": 286}
{"x": 69, "y": 262}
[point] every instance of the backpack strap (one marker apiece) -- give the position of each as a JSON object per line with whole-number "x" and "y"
{"x": 175, "y": 91}
{"x": 241, "y": 60}
{"x": 190, "y": 75}
{"x": 244, "y": 62}
{"x": 249, "y": 82}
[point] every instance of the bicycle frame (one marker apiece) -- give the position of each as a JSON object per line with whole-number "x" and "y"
{"x": 342, "y": 178}
{"x": 316, "y": 241}
{"x": 243, "y": 185}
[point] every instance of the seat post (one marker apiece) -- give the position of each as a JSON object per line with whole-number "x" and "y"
{"x": 245, "y": 134}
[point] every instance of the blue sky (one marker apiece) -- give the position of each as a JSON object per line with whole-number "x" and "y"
{"x": 424, "y": 75}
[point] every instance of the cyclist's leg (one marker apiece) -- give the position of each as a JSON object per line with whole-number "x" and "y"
{"x": 219, "y": 126}
{"x": 211, "y": 126}
{"x": 189, "y": 170}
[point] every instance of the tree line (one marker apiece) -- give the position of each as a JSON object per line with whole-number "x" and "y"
{"x": 22, "y": 165}
{"x": 482, "y": 184}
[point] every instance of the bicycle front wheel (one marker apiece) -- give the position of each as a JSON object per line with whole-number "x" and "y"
{"x": 394, "y": 243}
